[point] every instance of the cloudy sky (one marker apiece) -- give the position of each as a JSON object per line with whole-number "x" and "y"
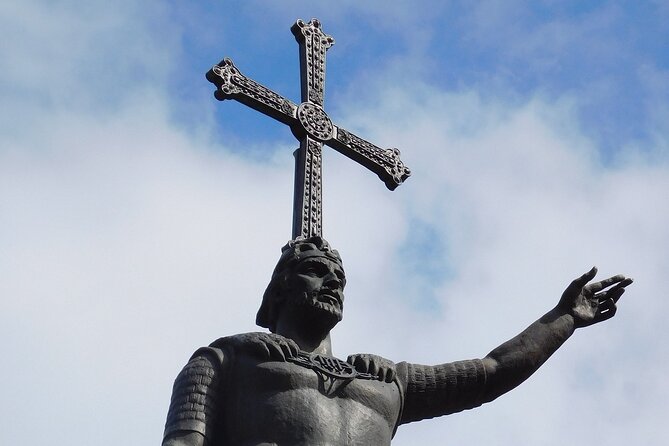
{"x": 140, "y": 218}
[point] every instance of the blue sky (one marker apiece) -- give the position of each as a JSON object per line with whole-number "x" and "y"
{"x": 612, "y": 57}
{"x": 130, "y": 200}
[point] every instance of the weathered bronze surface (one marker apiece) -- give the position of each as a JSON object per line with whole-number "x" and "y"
{"x": 285, "y": 387}
{"x": 310, "y": 124}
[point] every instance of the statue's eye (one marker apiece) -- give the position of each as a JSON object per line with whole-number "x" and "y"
{"x": 312, "y": 269}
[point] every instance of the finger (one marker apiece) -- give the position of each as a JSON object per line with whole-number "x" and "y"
{"x": 285, "y": 350}
{"x": 612, "y": 294}
{"x": 577, "y": 284}
{"x": 360, "y": 363}
{"x": 293, "y": 347}
{"x": 373, "y": 368}
{"x": 278, "y": 346}
{"x": 260, "y": 347}
{"x": 275, "y": 351}
{"x": 389, "y": 375}
{"x": 364, "y": 365}
{"x": 628, "y": 281}
{"x": 607, "y": 310}
{"x": 597, "y": 286}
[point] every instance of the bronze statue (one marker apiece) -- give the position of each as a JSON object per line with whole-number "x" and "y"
{"x": 285, "y": 388}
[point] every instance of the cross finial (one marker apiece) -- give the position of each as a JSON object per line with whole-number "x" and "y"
{"x": 310, "y": 124}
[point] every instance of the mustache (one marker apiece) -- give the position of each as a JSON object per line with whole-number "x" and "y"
{"x": 310, "y": 299}
{"x": 337, "y": 296}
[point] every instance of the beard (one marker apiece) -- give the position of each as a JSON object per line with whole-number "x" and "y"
{"x": 327, "y": 310}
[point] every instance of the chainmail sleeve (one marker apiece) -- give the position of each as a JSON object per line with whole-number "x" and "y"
{"x": 194, "y": 405}
{"x": 432, "y": 391}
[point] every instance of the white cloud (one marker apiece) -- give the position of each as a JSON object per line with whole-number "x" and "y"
{"x": 127, "y": 243}
{"x": 525, "y": 205}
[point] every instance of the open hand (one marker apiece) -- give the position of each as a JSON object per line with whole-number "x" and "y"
{"x": 594, "y": 302}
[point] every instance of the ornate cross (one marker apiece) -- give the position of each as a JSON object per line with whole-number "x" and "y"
{"x": 310, "y": 125}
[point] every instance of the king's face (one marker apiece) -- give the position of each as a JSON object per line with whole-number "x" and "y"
{"x": 318, "y": 283}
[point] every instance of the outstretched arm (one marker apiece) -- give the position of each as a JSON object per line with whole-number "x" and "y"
{"x": 447, "y": 388}
{"x": 581, "y": 305}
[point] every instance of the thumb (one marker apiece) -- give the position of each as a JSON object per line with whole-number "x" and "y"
{"x": 578, "y": 283}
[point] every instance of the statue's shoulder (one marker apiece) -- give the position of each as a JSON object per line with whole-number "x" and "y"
{"x": 261, "y": 345}
{"x": 223, "y": 349}
{"x": 239, "y": 339}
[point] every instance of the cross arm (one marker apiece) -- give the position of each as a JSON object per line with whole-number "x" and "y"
{"x": 313, "y": 44}
{"x": 386, "y": 163}
{"x": 232, "y": 84}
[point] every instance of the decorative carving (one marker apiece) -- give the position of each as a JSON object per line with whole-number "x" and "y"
{"x": 329, "y": 366}
{"x": 388, "y": 159}
{"x": 313, "y": 45}
{"x": 315, "y": 121}
{"x": 312, "y": 205}
{"x": 310, "y": 124}
{"x": 288, "y": 107}
{"x": 226, "y": 73}
{"x": 233, "y": 84}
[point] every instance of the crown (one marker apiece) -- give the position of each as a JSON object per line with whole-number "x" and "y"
{"x": 301, "y": 248}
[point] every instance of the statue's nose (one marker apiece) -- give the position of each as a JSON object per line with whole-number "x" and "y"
{"x": 332, "y": 281}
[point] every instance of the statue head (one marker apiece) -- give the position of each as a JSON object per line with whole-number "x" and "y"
{"x": 308, "y": 274}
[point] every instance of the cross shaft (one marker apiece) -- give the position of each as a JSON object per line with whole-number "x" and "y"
{"x": 310, "y": 125}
